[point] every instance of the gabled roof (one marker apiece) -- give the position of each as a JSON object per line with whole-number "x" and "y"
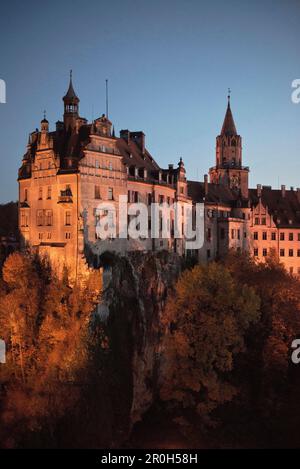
{"x": 285, "y": 210}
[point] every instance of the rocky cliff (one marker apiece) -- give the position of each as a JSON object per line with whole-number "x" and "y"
{"x": 135, "y": 291}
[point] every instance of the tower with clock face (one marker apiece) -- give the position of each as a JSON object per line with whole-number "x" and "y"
{"x": 228, "y": 169}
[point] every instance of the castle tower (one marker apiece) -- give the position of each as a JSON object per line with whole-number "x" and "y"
{"x": 71, "y": 106}
{"x": 229, "y": 169}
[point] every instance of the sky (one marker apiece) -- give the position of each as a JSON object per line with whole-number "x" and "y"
{"x": 169, "y": 64}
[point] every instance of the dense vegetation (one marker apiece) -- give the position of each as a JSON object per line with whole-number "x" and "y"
{"x": 228, "y": 347}
{"x": 225, "y": 370}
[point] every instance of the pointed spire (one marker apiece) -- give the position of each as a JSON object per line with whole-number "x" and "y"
{"x": 70, "y": 95}
{"x": 228, "y": 124}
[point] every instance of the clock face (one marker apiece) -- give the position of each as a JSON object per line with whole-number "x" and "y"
{"x": 235, "y": 182}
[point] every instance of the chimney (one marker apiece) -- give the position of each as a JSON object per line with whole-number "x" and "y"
{"x": 292, "y": 188}
{"x": 139, "y": 139}
{"x": 258, "y": 190}
{"x": 205, "y": 184}
{"x": 125, "y": 134}
{"x": 283, "y": 191}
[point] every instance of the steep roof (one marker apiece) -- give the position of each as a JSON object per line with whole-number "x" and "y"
{"x": 217, "y": 193}
{"x": 70, "y": 94}
{"x": 134, "y": 156}
{"x": 285, "y": 210}
{"x": 228, "y": 127}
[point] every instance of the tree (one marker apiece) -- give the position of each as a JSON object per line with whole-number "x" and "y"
{"x": 45, "y": 324}
{"x": 205, "y": 323}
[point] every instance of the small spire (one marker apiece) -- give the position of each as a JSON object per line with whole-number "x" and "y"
{"x": 44, "y": 117}
{"x": 228, "y": 97}
{"x": 113, "y": 132}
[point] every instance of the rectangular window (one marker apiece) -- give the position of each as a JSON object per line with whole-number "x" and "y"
{"x": 282, "y": 252}
{"x": 282, "y": 236}
{"x": 49, "y": 218}
{"x": 265, "y": 252}
{"x": 208, "y": 254}
{"x": 263, "y": 221}
{"x": 68, "y": 235}
{"x": 273, "y": 236}
{"x": 298, "y": 236}
{"x": 40, "y": 193}
{"x": 232, "y": 234}
{"x": 291, "y": 236}
{"x": 97, "y": 192}
{"x": 298, "y": 253}
{"x": 110, "y": 193}
{"x": 291, "y": 253}
{"x": 68, "y": 218}
{"x": 255, "y": 236}
{"x": 256, "y": 252}
{"x": 264, "y": 237}
{"x": 39, "y": 218}
{"x": 25, "y": 195}
{"x": 256, "y": 222}
{"x": 239, "y": 234}
{"x": 24, "y": 219}
{"x": 49, "y": 192}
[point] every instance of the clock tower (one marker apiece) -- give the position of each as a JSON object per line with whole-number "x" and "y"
{"x": 229, "y": 170}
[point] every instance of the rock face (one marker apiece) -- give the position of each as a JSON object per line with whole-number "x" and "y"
{"x": 135, "y": 291}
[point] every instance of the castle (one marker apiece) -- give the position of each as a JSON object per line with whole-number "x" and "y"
{"x": 66, "y": 173}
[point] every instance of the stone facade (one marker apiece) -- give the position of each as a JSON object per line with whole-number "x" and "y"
{"x": 66, "y": 173}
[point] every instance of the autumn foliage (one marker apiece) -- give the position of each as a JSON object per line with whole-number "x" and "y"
{"x": 206, "y": 322}
{"x": 45, "y": 324}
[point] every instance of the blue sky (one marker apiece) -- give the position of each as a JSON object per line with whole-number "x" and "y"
{"x": 169, "y": 64}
